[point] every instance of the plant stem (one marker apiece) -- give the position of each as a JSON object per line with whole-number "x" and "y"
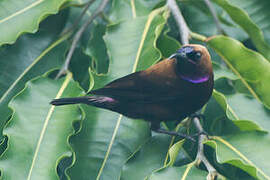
{"x": 200, "y": 153}
{"x": 182, "y": 25}
{"x": 78, "y": 35}
{"x": 197, "y": 36}
{"x": 87, "y": 5}
{"x": 214, "y": 14}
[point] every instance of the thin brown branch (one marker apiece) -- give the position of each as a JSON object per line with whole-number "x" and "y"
{"x": 78, "y": 35}
{"x": 200, "y": 153}
{"x": 181, "y": 23}
{"x": 214, "y": 14}
{"x": 76, "y": 22}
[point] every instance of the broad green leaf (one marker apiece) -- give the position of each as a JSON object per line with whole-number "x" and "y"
{"x": 123, "y": 10}
{"x": 30, "y": 56}
{"x": 258, "y": 12}
{"x": 79, "y": 66}
{"x": 150, "y": 157}
{"x": 96, "y": 49}
{"x": 18, "y": 17}
{"x": 229, "y": 113}
{"x": 187, "y": 172}
{"x": 38, "y": 132}
{"x": 251, "y": 67}
{"x": 244, "y": 121}
{"x": 222, "y": 72}
{"x": 246, "y": 150}
{"x": 167, "y": 45}
{"x": 242, "y": 19}
{"x": 108, "y": 139}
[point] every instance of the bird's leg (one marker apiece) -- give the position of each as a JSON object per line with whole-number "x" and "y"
{"x": 156, "y": 127}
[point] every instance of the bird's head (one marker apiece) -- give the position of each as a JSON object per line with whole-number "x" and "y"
{"x": 193, "y": 63}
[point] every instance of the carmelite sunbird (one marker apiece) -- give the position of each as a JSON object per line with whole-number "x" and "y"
{"x": 167, "y": 91}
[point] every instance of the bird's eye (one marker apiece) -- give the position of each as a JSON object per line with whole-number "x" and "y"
{"x": 194, "y": 56}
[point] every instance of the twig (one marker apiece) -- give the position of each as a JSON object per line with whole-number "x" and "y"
{"x": 182, "y": 25}
{"x": 200, "y": 154}
{"x": 87, "y": 5}
{"x": 185, "y": 33}
{"x": 214, "y": 14}
{"x": 78, "y": 36}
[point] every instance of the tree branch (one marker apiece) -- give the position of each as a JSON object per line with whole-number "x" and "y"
{"x": 214, "y": 14}
{"x": 200, "y": 154}
{"x": 78, "y": 35}
{"x": 181, "y": 23}
{"x": 87, "y": 5}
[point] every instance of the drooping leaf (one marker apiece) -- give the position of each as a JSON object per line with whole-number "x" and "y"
{"x": 38, "y": 132}
{"x": 246, "y": 151}
{"x": 243, "y": 20}
{"x": 258, "y": 12}
{"x": 30, "y": 56}
{"x": 18, "y": 17}
{"x": 251, "y": 67}
{"x": 108, "y": 139}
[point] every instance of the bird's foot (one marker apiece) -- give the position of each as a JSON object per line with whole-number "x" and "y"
{"x": 201, "y": 133}
{"x": 158, "y": 129}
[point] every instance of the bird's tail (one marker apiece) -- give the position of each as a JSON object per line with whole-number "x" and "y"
{"x": 66, "y": 101}
{"x": 98, "y": 101}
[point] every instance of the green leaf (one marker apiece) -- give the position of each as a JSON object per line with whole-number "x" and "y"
{"x": 150, "y": 157}
{"x": 251, "y": 67}
{"x": 18, "y": 17}
{"x": 167, "y": 45}
{"x": 108, "y": 139}
{"x": 242, "y": 19}
{"x": 175, "y": 173}
{"x": 96, "y": 49}
{"x": 242, "y": 150}
{"x": 234, "y": 111}
{"x": 80, "y": 70}
{"x": 124, "y": 10}
{"x": 258, "y": 12}
{"x": 222, "y": 72}
{"x": 38, "y": 132}
{"x": 30, "y": 56}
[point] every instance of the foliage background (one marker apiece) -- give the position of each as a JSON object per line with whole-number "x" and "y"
{"x": 39, "y": 141}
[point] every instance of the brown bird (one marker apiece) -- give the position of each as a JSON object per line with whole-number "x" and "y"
{"x": 169, "y": 90}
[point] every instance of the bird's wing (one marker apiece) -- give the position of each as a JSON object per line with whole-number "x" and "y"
{"x": 152, "y": 85}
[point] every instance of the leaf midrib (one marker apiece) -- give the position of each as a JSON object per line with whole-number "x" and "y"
{"x": 21, "y": 11}
{"x": 48, "y": 117}
{"x": 227, "y": 144}
{"x": 32, "y": 65}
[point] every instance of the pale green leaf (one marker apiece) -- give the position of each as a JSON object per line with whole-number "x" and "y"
{"x": 18, "y": 17}
{"x": 243, "y": 20}
{"x": 251, "y": 67}
{"x": 38, "y": 132}
{"x": 30, "y": 56}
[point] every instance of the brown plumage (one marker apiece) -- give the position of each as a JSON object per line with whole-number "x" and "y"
{"x": 169, "y": 90}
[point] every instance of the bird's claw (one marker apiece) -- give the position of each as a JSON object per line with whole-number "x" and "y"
{"x": 201, "y": 133}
